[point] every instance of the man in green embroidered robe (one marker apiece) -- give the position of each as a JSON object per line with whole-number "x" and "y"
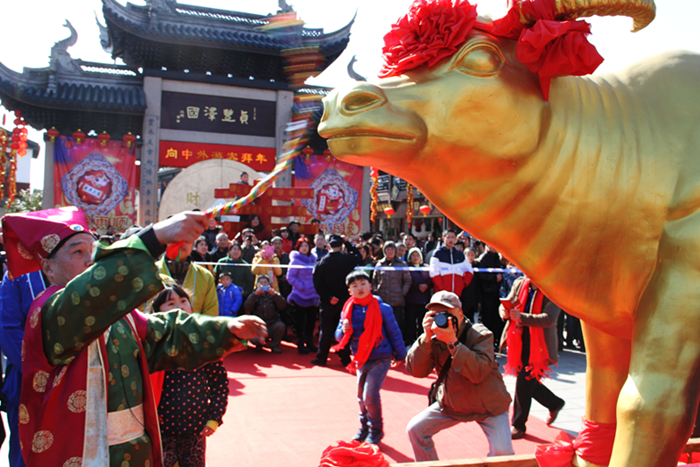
{"x": 86, "y": 395}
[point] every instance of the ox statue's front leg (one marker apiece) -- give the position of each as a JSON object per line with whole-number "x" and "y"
{"x": 607, "y": 362}
{"x": 658, "y": 402}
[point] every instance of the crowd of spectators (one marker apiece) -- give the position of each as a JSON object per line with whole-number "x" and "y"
{"x": 297, "y": 285}
{"x": 406, "y": 291}
{"x": 447, "y": 261}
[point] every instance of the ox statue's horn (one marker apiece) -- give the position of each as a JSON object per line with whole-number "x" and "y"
{"x": 641, "y": 11}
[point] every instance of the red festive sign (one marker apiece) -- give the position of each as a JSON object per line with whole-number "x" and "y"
{"x": 99, "y": 179}
{"x": 179, "y": 154}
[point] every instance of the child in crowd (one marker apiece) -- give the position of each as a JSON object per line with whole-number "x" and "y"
{"x": 370, "y": 326}
{"x": 230, "y": 296}
{"x": 192, "y": 403}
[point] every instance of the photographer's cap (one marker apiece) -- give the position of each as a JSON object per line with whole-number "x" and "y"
{"x": 445, "y": 298}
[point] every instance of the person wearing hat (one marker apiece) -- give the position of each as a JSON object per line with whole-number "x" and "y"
{"x": 294, "y": 234}
{"x": 329, "y": 281}
{"x": 86, "y": 398}
{"x": 469, "y": 385}
{"x": 230, "y": 297}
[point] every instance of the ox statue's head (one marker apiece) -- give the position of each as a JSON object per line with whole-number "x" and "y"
{"x": 476, "y": 105}
{"x": 463, "y": 105}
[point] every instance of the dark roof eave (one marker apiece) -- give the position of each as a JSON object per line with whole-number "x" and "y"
{"x": 227, "y": 35}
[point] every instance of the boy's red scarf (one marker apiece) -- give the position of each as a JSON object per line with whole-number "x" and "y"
{"x": 370, "y": 337}
{"x": 539, "y": 357}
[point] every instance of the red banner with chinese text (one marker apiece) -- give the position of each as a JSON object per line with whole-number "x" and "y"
{"x": 337, "y": 193}
{"x": 179, "y": 154}
{"x": 98, "y": 179}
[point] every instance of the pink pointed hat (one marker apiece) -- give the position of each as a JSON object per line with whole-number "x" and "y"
{"x": 33, "y": 236}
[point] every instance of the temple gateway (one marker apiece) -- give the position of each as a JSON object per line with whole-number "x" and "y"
{"x": 197, "y": 84}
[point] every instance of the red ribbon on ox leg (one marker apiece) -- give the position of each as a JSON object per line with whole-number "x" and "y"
{"x": 593, "y": 444}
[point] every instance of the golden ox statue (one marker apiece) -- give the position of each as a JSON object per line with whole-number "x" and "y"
{"x": 594, "y": 194}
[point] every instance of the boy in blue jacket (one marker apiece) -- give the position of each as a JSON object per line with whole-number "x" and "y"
{"x": 230, "y": 297}
{"x": 370, "y": 327}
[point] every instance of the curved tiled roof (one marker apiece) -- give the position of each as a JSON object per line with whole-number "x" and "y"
{"x": 147, "y": 36}
{"x": 102, "y": 90}
{"x": 93, "y": 96}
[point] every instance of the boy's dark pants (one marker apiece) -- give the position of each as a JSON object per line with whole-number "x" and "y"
{"x": 369, "y": 381}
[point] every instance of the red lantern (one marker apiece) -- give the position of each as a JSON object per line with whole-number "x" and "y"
{"x": 23, "y": 145}
{"x": 18, "y": 121}
{"x": 104, "y": 137}
{"x": 129, "y": 138}
{"x": 425, "y": 210}
{"x": 52, "y": 133}
{"x": 79, "y": 136}
{"x": 23, "y": 131}
{"x": 22, "y": 152}
{"x": 389, "y": 211}
{"x": 308, "y": 151}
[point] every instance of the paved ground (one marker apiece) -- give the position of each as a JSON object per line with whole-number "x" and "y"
{"x": 568, "y": 381}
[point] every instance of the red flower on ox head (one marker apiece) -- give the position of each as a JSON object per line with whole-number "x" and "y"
{"x": 432, "y": 30}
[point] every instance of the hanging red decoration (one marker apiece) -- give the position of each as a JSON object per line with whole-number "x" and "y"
{"x": 129, "y": 138}
{"x": 52, "y": 133}
{"x": 4, "y": 139}
{"x": 328, "y": 155}
{"x": 104, "y": 137}
{"x": 389, "y": 212}
{"x": 12, "y": 182}
{"x": 307, "y": 151}
{"x": 79, "y": 136}
{"x": 374, "y": 175}
{"x": 409, "y": 205}
{"x": 425, "y": 210}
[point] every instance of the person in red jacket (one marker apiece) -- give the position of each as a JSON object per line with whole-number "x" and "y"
{"x": 449, "y": 269}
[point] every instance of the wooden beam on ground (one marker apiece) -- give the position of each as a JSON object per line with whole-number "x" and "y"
{"x": 520, "y": 460}
{"x": 691, "y": 447}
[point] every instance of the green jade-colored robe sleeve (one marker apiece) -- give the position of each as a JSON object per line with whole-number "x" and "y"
{"x": 122, "y": 277}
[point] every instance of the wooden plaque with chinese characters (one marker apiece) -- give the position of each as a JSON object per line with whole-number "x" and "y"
{"x": 180, "y": 154}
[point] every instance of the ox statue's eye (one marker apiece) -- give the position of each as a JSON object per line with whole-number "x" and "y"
{"x": 480, "y": 60}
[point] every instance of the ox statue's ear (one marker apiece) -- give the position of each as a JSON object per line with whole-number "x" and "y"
{"x": 479, "y": 58}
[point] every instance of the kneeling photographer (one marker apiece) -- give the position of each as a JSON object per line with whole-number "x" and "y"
{"x": 469, "y": 386}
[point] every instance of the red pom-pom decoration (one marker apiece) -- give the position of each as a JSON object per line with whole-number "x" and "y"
{"x": 432, "y": 30}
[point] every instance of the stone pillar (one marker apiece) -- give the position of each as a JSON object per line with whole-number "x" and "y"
{"x": 285, "y": 100}
{"x": 366, "y": 199}
{"x": 47, "y": 200}
{"x": 150, "y": 137}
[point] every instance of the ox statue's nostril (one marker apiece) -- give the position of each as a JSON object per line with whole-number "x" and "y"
{"x": 361, "y": 101}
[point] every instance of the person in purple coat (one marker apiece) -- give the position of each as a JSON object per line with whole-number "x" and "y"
{"x": 303, "y": 297}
